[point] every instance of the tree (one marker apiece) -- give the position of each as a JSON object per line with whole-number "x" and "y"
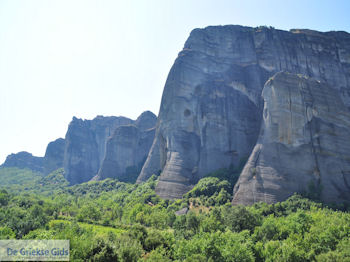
{"x": 6, "y": 233}
{"x": 4, "y": 198}
{"x": 102, "y": 251}
{"x": 239, "y": 218}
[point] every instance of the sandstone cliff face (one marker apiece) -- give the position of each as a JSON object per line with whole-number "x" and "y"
{"x": 85, "y": 146}
{"x": 127, "y": 149}
{"x": 211, "y": 108}
{"x": 54, "y": 155}
{"x": 304, "y": 142}
{"x": 24, "y": 160}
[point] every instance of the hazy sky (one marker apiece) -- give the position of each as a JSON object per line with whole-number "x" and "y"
{"x": 60, "y": 59}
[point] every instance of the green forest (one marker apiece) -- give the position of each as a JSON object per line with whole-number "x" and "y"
{"x": 114, "y": 221}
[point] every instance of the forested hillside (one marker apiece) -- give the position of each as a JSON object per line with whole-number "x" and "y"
{"x": 114, "y": 221}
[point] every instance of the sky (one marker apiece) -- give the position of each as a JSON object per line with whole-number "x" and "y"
{"x": 84, "y": 58}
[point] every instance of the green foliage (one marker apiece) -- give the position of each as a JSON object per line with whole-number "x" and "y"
{"x": 239, "y": 218}
{"x": 53, "y": 182}
{"x": 210, "y": 191}
{"x": 4, "y": 198}
{"x": 102, "y": 251}
{"x": 16, "y": 179}
{"x": 158, "y": 255}
{"x": 216, "y": 187}
{"x": 154, "y": 239}
{"x": 187, "y": 225}
{"x": 115, "y": 221}
{"x": 230, "y": 174}
{"x": 6, "y": 233}
{"x": 208, "y": 186}
{"x": 21, "y": 215}
{"x": 340, "y": 254}
{"x": 89, "y": 212}
{"x": 218, "y": 246}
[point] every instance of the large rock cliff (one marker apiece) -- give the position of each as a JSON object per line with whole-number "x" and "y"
{"x": 85, "y": 146}
{"x": 54, "y": 155}
{"x": 127, "y": 149}
{"x": 303, "y": 146}
{"x": 211, "y": 108}
{"x": 95, "y": 149}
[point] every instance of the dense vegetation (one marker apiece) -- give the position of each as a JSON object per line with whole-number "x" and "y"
{"x": 115, "y": 221}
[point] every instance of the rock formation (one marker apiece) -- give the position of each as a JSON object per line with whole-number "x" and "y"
{"x": 304, "y": 144}
{"x": 127, "y": 149}
{"x": 52, "y": 160}
{"x": 83, "y": 153}
{"x": 24, "y": 160}
{"x": 54, "y": 155}
{"x": 85, "y": 146}
{"x": 215, "y": 113}
{"x": 211, "y": 108}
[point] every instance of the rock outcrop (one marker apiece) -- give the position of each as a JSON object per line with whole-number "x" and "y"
{"x": 211, "y": 108}
{"x": 303, "y": 145}
{"x": 24, "y": 160}
{"x": 52, "y": 160}
{"x": 84, "y": 155}
{"x": 54, "y": 155}
{"x": 127, "y": 149}
{"x": 85, "y": 146}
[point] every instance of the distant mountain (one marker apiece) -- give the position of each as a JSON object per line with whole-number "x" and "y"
{"x": 83, "y": 151}
{"x": 24, "y": 160}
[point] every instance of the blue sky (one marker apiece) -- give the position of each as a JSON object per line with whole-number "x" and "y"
{"x": 60, "y": 59}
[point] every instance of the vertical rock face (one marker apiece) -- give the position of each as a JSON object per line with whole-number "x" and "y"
{"x": 85, "y": 146}
{"x": 24, "y": 160}
{"x": 85, "y": 154}
{"x": 127, "y": 149}
{"x": 54, "y": 155}
{"x": 211, "y": 107}
{"x": 304, "y": 142}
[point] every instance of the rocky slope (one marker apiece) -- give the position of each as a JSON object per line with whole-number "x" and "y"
{"x": 52, "y": 160}
{"x": 304, "y": 144}
{"x": 211, "y": 108}
{"x": 127, "y": 149}
{"x": 24, "y": 160}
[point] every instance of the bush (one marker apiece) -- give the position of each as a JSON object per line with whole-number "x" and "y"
{"x": 238, "y": 218}
{"x": 208, "y": 186}
{"x": 154, "y": 239}
{"x": 158, "y": 255}
{"x": 4, "y": 198}
{"x": 6, "y": 233}
{"x": 129, "y": 250}
{"x": 102, "y": 251}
